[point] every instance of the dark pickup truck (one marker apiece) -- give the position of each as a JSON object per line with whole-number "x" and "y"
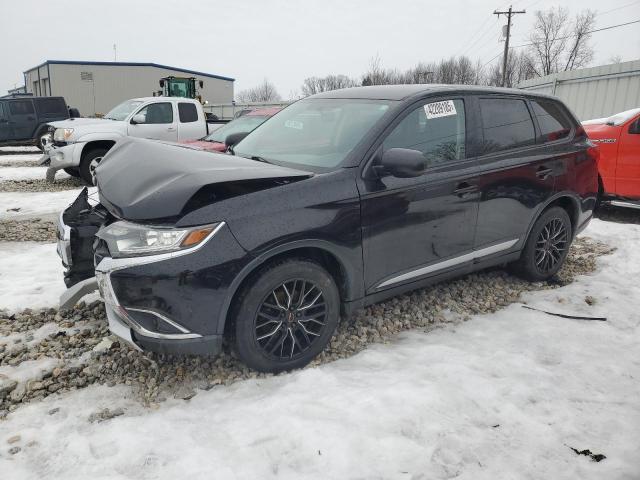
{"x": 24, "y": 120}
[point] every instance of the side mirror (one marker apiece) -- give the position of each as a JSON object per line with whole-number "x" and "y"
{"x": 201, "y": 83}
{"x": 138, "y": 118}
{"x": 401, "y": 163}
{"x": 161, "y": 83}
{"x": 234, "y": 139}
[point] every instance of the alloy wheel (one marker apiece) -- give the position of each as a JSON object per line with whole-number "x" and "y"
{"x": 92, "y": 168}
{"x": 289, "y": 320}
{"x": 551, "y": 245}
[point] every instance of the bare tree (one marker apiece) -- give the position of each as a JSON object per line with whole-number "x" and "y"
{"x": 519, "y": 68}
{"x": 313, "y": 85}
{"x": 265, "y": 92}
{"x": 559, "y": 43}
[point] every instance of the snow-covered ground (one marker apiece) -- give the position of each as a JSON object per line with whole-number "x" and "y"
{"x": 28, "y": 173}
{"x": 31, "y": 275}
{"x": 19, "y": 149}
{"x": 21, "y": 205}
{"x": 11, "y": 159}
{"x": 502, "y": 396}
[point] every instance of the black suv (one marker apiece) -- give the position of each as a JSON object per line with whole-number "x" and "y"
{"x": 340, "y": 200}
{"x": 24, "y": 119}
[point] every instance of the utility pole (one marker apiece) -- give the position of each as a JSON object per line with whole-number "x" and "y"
{"x": 509, "y": 13}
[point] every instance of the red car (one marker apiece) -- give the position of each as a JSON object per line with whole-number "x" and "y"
{"x": 214, "y": 142}
{"x": 618, "y": 139}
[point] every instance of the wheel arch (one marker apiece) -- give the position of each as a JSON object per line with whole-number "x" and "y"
{"x": 566, "y": 200}
{"x": 94, "y": 144}
{"x": 322, "y": 252}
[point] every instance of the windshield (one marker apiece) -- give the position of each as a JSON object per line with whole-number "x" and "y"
{"x": 122, "y": 111}
{"x": 242, "y": 124}
{"x": 314, "y": 132}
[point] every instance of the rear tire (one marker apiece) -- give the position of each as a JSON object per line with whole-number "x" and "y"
{"x": 285, "y": 316}
{"x": 547, "y": 246}
{"x": 89, "y": 162}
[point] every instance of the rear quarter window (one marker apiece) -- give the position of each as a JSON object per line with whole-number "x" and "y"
{"x": 552, "y": 120}
{"x": 187, "y": 112}
{"x": 506, "y": 123}
{"x": 51, "y": 106}
{"x": 21, "y": 107}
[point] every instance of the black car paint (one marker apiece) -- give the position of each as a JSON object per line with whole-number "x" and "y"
{"x": 366, "y": 226}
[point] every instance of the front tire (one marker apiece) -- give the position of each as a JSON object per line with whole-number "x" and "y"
{"x": 286, "y": 316}
{"x": 89, "y": 163}
{"x": 74, "y": 172}
{"x": 547, "y": 246}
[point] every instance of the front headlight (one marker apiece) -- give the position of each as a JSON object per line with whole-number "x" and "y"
{"x": 126, "y": 239}
{"x": 62, "y": 134}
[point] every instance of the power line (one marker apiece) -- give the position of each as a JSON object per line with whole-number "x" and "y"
{"x": 617, "y": 8}
{"x": 469, "y": 44}
{"x": 584, "y": 33}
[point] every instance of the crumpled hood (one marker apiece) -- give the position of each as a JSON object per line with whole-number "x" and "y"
{"x": 145, "y": 180}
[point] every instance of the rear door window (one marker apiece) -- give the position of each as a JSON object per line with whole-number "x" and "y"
{"x": 437, "y": 129}
{"x": 157, "y": 113}
{"x": 21, "y": 107}
{"x": 552, "y": 120}
{"x": 506, "y": 123}
{"x": 187, "y": 112}
{"x": 51, "y": 106}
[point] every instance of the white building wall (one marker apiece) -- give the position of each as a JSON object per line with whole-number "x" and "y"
{"x": 112, "y": 84}
{"x": 593, "y": 92}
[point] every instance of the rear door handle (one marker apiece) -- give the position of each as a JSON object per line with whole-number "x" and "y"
{"x": 171, "y": 129}
{"x": 464, "y": 189}
{"x": 544, "y": 172}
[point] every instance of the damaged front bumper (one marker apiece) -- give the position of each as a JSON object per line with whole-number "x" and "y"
{"x": 57, "y": 157}
{"x": 144, "y": 320}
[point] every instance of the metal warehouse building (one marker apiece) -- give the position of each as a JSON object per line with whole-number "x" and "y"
{"x": 96, "y": 87}
{"x": 593, "y": 92}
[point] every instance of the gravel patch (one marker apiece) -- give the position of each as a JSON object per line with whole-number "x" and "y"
{"x": 19, "y": 163}
{"x": 86, "y": 353}
{"x": 32, "y": 230}
{"x": 40, "y": 185}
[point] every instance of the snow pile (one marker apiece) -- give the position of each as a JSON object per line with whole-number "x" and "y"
{"x": 20, "y": 205}
{"x": 31, "y": 275}
{"x": 501, "y": 396}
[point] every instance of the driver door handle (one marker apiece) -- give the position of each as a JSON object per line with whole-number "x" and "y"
{"x": 464, "y": 188}
{"x": 171, "y": 129}
{"x": 544, "y": 172}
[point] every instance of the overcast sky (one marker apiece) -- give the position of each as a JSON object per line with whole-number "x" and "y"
{"x": 282, "y": 40}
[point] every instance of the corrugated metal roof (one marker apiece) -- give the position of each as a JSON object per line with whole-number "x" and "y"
{"x": 131, "y": 64}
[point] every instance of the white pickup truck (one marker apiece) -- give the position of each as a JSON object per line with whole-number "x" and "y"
{"x": 77, "y": 145}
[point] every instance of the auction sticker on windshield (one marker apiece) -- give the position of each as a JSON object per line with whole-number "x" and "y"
{"x": 440, "y": 109}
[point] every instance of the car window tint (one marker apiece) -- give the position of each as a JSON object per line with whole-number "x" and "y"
{"x": 2, "y": 116}
{"x": 437, "y": 129}
{"x": 187, "y": 112}
{"x": 552, "y": 121}
{"x": 157, "y": 113}
{"x": 506, "y": 124}
{"x": 51, "y": 106}
{"x": 21, "y": 107}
